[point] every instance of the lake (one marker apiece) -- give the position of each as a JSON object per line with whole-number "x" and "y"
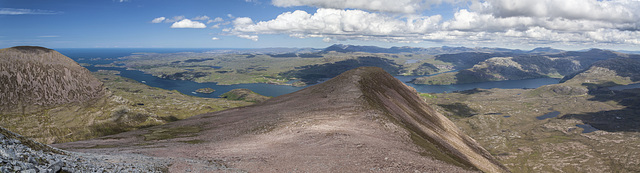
{"x": 108, "y": 55}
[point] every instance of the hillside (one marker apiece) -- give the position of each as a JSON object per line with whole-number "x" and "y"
{"x": 49, "y": 98}
{"x": 362, "y": 120}
{"x": 619, "y": 71}
{"x": 483, "y": 67}
{"x": 34, "y": 78}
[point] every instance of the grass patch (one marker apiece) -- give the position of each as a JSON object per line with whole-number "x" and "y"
{"x": 427, "y": 95}
{"x": 170, "y": 133}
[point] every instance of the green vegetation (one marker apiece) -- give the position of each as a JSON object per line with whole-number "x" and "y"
{"x": 170, "y": 133}
{"x": 205, "y": 90}
{"x": 244, "y": 95}
{"x": 505, "y": 124}
{"x": 128, "y": 105}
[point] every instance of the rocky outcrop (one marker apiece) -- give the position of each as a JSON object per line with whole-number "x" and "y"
{"x": 32, "y": 78}
{"x": 19, "y": 154}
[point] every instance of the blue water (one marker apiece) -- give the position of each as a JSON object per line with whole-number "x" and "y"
{"x": 108, "y": 55}
{"x": 548, "y": 115}
{"x": 586, "y": 128}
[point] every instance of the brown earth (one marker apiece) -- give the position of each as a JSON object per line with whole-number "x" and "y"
{"x": 33, "y": 78}
{"x": 361, "y": 121}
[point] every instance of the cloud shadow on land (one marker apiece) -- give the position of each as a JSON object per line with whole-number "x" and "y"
{"x": 622, "y": 120}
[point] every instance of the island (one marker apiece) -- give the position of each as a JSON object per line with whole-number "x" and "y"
{"x": 205, "y": 90}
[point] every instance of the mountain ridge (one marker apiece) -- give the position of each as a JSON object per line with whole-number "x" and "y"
{"x": 343, "y": 122}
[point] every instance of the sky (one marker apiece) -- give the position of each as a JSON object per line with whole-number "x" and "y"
{"x": 519, "y": 24}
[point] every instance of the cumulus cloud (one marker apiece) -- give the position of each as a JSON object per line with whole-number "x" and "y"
{"x": 607, "y": 10}
{"x": 158, "y": 20}
{"x": 215, "y": 38}
{"x": 186, "y": 23}
{"x": 395, "y": 6}
{"x": 333, "y": 22}
{"x": 174, "y": 19}
{"x": 20, "y": 11}
{"x": 250, "y": 37}
{"x": 241, "y": 22}
{"x": 201, "y": 18}
{"x": 217, "y": 19}
{"x": 572, "y": 22}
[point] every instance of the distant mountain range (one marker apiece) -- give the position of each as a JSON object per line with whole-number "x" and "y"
{"x": 482, "y": 67}
{"x": 433, "y": 50}
{"x": 342, "y": 48}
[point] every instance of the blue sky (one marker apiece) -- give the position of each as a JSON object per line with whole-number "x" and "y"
{"x": 566, "y": 24}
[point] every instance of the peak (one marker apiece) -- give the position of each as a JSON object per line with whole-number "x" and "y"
{"x": 38, "y": 77}
{"x": 32, "y": 49}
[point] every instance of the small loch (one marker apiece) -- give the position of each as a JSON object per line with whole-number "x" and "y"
{"x": 548, "y": 115}
{"x": 586, "y": 128}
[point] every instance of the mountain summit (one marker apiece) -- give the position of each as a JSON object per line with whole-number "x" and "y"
{"x": 32, "y": 78}
{"x": 361, "y": 120}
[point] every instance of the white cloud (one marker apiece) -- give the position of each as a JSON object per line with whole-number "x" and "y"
{"x": 215, "y": 38}
{"x": 217, "y": 19}
{"x": 250, "y": 37}
{"x": 394, "y": 6}
{"x": 186, "y": 23}
{"x": 242, "y": 22}
{"x": 20, "y": 11}
{"x": 230, "y": 16}
{"x": 201, "y": 18}
{"x": 354, "y": 24}
{"x": 488, "y": 22}
{"x": 174, "y": 19}
{"x": 158, "y": 20}
{"x": 603, "y": 10}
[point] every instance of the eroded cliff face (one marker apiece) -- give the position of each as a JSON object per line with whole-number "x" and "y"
{"x": 33, "y": 78}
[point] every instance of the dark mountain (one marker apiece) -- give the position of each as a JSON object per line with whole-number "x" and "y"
{"x": 405, "y": 49}
{"x": 545, "y": 50}
{"x": 311, "y": 74}
{"x": 616, "y": 71}
{"x": 482, "y": 67}
{"x": 33, "y": 78}
{"x": 359, "y": 121}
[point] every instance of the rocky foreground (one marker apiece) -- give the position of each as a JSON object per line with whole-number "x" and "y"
{"x": 19, "y": 154}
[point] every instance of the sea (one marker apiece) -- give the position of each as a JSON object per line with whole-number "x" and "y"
{"x": 94, "y": 56}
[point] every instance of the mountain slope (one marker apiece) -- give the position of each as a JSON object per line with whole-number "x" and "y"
{"x": 621, "y": 71}
{"x": 483, "y": 67}
{"x": 361, "y": 120}
{"x": 49, "y": 98}
{"x": 35, "y": 77}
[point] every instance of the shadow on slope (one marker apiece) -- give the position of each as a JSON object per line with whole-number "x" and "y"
{"x": 312, "y": 74}
{"x": 626, "y": 119}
